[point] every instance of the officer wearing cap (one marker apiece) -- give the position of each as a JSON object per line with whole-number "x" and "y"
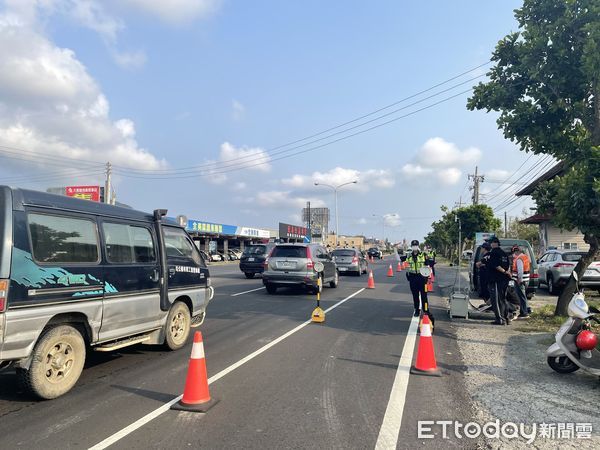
{"x": 498, "y": 275}
{"x": 482, "y": 270}
{"x": 416, "y": 261}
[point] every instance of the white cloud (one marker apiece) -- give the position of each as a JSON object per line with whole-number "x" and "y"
{"x": 378, "y": 178}
{"x": 130, "y": 60}
{"x": 238, "y": 110}
{"x": 362, "y": 221}
{"x": 437, "y": 152}
{"x": 176, "y": 12}
{"x": 251, "y": 158}
{"x": 449, "y": 176}
{"x": 284, "y": 199}
{"x": 497, "y": 174}
{"x": 392, "y": 219}
{"x": 239, "y": 186}
{"x": 442, "y": 160}
{"x": 90, "y": 14}
{"x": 50, "y": 104}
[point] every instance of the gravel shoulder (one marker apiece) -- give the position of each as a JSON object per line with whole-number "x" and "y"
{"x": 509, "y": 380}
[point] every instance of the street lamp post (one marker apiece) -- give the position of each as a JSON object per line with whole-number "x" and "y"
{"x": 335, "y": 189}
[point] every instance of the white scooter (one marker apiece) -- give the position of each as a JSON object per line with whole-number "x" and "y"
{"x": 575, "y": 346}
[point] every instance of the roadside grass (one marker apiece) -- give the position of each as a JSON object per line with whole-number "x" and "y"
{"x": 542, "y": 319}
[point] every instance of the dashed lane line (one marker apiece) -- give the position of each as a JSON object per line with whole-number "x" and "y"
{"x": 164, "y": 408}
{"x": 246, "y": 292}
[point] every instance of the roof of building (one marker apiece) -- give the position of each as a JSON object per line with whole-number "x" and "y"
{"x": 556, "y": 170}
{"x": 536, "y": 219}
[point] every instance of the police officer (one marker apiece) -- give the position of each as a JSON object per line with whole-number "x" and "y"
{"x": 416, "y": 260}
{"x": 481, "y": 266}
{"x": 498, "y": 275}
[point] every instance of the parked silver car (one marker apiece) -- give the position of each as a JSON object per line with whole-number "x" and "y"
{"x": 555, "y": 268}
{"x": 299, "y": 265}
{"x": 350, "y": 260}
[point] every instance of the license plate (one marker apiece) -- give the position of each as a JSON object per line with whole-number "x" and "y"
{"x": 287, "y": 264}
{"x": 342, "y": 269}
{"x": 589, "y": 273}
{"x": 250, "y": 259}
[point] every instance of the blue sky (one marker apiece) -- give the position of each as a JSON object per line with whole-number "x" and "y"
{"x": 156, "y": 87}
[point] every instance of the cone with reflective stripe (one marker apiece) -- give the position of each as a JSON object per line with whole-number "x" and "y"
{"x": 371, "y": 282}
{"x": 399, "y": 267}
{"x": 390, "y": 271}
{"x": 425, "y": 364}
{"x": 196, "y": 397}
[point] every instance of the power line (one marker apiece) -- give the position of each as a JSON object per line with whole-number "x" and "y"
{"x": 245, "y": 166}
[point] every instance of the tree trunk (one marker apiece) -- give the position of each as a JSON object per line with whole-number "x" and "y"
{"x": 567, "y": 293}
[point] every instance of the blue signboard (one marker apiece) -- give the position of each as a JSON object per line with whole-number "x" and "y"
{"x": 199, "y": 226}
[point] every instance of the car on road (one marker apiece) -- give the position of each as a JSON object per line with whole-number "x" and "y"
{"x": 506, "y": 245}
{"x": 374, "y": 252}
{"x": 350, "y": 260}
{"x": 77, "y": 275}
{"x": 556, "y": 266}
{"x": 253, "y": 259}
{"x": 305, "y": 265}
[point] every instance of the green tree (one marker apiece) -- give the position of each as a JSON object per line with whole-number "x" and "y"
{"x": 546, "y": 85}
{"x": 444, "y": 236}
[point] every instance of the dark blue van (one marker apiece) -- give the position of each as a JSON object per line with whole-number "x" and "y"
{"x": 76, "y": 274}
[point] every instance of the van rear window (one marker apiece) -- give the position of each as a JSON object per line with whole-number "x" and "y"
{"x": 289, "y": 252}
{"x": 57, "y": 239}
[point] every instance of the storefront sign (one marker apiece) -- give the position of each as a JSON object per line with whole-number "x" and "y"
{"x": 253, "y": 232}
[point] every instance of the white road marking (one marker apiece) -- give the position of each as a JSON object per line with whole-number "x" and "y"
{"x": 390, "y": 428}
{"x": 164, "y": 408}
{"x": 245, "y": 292}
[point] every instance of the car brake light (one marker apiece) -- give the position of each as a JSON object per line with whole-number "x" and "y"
{"x": 535, "y": 275}
{"x": 558, "y": 265}
{"x": 3, "y": 294}
{"x": 354, "y": 260}
{"x": 310, "y": 265}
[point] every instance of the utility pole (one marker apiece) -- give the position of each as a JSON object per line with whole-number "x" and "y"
{"x": 459, "y": 203}
{"x": 476, "y": 180}
{"x": 505, "y": 226}
{"x": 108, "y": 185}
{"x": 308, "y": 220}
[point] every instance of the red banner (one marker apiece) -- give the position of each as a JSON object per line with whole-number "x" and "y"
{"x": 85, "y": 192}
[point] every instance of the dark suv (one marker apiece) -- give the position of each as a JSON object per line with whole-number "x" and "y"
{"x": 253, "y": 259}
{"x": 298, "y": 265}
{"x": 374, "y": 252}
{"x": 506, "y": 245}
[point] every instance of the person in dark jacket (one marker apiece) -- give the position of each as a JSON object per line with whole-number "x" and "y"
{"x": 482, "y": 271}
{"x": 498, "y": 275}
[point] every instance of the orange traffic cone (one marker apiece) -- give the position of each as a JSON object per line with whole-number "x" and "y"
{"x": 196, "y": 397}
{"x": 425, "y": 364}
{"x": 429, "y": 285}
{"x": 406, "y": 264}
{"x": 390, "y": 271}
{"x": 371, "y": 282}
{"x": 399, "y": 267}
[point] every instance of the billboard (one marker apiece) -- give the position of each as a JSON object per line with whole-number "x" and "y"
{"x": 287, "y": 231}
{"x": 84, "y": 192}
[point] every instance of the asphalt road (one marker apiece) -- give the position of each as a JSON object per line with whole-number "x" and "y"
{"x": 325, "y": 386}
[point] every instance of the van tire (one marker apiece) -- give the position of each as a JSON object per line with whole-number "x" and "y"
{"x": 178, "y": 326}
{"x": 551, "y": 287}
{"x": 56, "y": 363}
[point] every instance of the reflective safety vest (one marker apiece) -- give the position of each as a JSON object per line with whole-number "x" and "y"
{"x": 415, "y": 262}
{"x": 526, "y": 267}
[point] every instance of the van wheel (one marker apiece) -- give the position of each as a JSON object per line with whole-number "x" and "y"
{"x": 249, "y": 274}
{"x": 57, "y": 361}
{"x": 271, "y": 289}
{"x": 177, "y": 328}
